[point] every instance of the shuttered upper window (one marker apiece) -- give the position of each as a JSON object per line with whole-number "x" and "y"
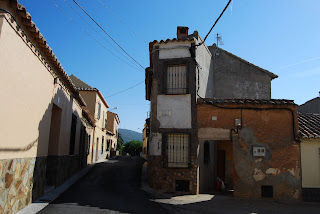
{"x": 177, "y": 79}
{"x": 178, "y": 150}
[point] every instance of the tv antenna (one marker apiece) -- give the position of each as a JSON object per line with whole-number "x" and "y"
{"x": 219, "y": 40}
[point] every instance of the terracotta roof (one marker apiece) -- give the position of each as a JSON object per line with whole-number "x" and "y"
{"x": 272, "y": 75}
{"x": 309, "y": 125}
{"x": 32, "y": 32}
{"x": 249, "y": 101}
{"x": 173, "y": 40}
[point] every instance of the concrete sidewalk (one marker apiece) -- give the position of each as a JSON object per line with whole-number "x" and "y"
{"x": 45, "y": 200}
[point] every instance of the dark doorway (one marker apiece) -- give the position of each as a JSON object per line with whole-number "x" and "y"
{"x": 221, "y": 164}
{"x": 53, "y": 148}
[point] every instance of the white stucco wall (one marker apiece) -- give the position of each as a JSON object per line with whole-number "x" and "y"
{"x": 174, "y": 111}
{"x": 174, "y": 50}
{"x": 204, "y": 59}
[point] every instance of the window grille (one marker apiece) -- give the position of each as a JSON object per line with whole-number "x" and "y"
{"x": 178, "y": 150}
{"x": 177, "y": 79}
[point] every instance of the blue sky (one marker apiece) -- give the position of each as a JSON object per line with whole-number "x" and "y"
{"x": 280, "y": 36}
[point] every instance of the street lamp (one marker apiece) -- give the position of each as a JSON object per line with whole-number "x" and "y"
{"x": 113, "y": 108}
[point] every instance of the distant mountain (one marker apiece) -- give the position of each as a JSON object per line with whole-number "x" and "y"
{"x": 128, "y": 135}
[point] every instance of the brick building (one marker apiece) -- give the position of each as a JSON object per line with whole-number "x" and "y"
{"x": 195, "y": 136}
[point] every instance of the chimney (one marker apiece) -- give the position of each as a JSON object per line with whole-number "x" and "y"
{"x": 182, "y": 32}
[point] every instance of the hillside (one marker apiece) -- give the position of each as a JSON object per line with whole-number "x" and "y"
{"x": 128, "y": 135}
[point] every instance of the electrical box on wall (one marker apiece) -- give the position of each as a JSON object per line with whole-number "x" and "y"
{"x": 259, "y": 151}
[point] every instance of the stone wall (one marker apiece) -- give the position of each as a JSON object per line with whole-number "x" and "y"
{"x": 22, "y": 181}
{"x": 164, "y": 178}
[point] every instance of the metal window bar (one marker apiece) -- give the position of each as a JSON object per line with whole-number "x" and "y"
{"x": 178, "y": 150}
{"x": 177, "y": 79}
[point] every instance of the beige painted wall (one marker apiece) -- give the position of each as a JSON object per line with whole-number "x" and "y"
{"x": 26, "y": 93}
{"x": 90, "y": 99}
{"x": 113, "y": 127}
{"x": 310, "y": 162}
{"x": 69, "y": 106}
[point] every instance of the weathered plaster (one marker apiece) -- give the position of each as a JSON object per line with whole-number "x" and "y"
{"x": 174, "y": 111}
{"x": 155, "y": 145}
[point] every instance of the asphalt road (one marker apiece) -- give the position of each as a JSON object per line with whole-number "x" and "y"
{"x": 110, "y": 187}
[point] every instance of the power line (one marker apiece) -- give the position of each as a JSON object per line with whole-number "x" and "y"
{"x": 108, "y": 34}
{"x": 125, "y": 89}
{"x": 97, "y": 31}
{"x": 90, "y": 35}
{"x": 215, "y": 23}
{"x": 105, "y": 6}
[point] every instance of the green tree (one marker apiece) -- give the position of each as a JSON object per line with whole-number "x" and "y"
{"x": 133, "y": 147}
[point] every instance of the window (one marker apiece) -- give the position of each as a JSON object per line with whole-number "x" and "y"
{"x": 99, "y": 110}
{"x": 102, "y": 142}
{"x": 105, "y": 123}
{"x": 178, "y": 150}
{"x": 177, "y": 79}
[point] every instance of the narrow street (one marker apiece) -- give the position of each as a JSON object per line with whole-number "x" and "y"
{"x": 110, "y": 187}
{"x": 115, "y": 187}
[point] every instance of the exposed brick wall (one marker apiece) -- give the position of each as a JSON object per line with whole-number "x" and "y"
{"x": 272, "y": 129}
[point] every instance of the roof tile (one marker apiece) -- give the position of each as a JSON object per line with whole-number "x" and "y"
{"x": 309, "y": 125}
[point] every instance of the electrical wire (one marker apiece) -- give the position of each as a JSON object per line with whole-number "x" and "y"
{"x": 125, "y": 89}
{"x": 107, "y": 34}
{"x": 100, "y": 35}
{"x": 90, "y": 35}
{"x": 137, "y": 35}
{"x": 215, "y": 23}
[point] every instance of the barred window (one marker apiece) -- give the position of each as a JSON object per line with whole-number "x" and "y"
{"x": 178, "y": 150}
{"x": 177, "y": 79}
